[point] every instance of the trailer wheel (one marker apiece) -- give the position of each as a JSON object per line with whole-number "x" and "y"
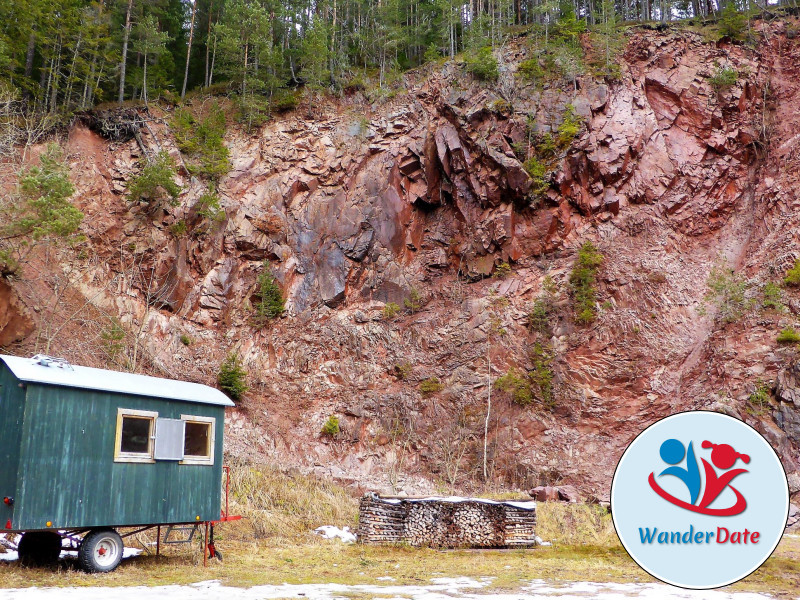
{"x": 39, "y": 548}
{"x": 100, "y": 551}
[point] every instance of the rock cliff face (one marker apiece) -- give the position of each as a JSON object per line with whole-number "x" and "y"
{"x": 417, "y": 201}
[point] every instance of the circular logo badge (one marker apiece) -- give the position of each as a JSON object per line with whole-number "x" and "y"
{"x": 699, "y": 500}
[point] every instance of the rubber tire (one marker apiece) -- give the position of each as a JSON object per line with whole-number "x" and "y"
{"x": 95, "y": 546}
{"x": 39, "y": 548}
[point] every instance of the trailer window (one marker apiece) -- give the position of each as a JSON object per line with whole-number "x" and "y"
{"x": 198, "y": 440}
{"x": 134, "y": 440}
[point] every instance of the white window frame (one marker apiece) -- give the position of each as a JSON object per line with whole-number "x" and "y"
{"x": 135, "y": 457}
{"x": 201, "y": 460}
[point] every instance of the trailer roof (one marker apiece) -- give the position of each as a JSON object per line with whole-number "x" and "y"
{"x": 48, "y": 371}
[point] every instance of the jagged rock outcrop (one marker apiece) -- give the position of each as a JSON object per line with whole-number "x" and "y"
{"x": 15, "y": 319}
{"x": 417, "y": 201}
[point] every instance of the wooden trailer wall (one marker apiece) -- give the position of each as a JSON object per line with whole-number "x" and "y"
{"x": 12, "y": 407}
{"x": 68, "y": 476}
{"x": 62, "y": 461}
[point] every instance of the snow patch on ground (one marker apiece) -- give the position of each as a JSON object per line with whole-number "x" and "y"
{"x": 330, "y": 532}
{"x": 10, "y": 555}
{"x": 461, "y": 588}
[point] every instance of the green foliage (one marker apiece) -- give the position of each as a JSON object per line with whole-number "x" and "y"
{"x": 531, "y": 70}
{"x": 792, "y": 278}
{"x": 726, "y": 291}
{"x": 541, "y": 375}
{"x": 232, "y": 377}
{"x": 543, "y": 308}
{"x": 249, "y": 58}
{"x": 284, "y": 100}
{"x": 39, "y": 212}
{"x": 432, "y": 53}
{"x": 390, "y": 310}
{"x": 569, "y": 27}
{"x": 270, "y": 303}
{"x": 549, "y": 147}
{"x": 501, "y": 107}
{"x": 179, "y": 228}
{"x": 253, "y": 112}
{"x": 565, "y": 61}
{"x": 502, "y": 271}
{"x": 516, "y": 384}
{"x": 583, "y": 280}
{"x": 151, "y": 43}
{"x": 430, "y": 386}
{"x": 536, "y": 385}
{"x": 251, "y": 49}
{"x": 732, "y": 23}
{"x": 402, "y": 371}
{"x": 772, "y": 297}
{"x": 546, "y": 147}
{"x": 569, "y": 128}
{"x": 331, "y": 427}
{"x": 208, "y": 206}
{"x": 758, "y": 400}
{"x": 113, "y": 337}
{"x": 482, "y": 64}
{"x": 606, "y": 41}
{"x": 788, "y": 335}
{"x": 185, "y": 340}
{"x": 155, "y": 185}
{"x": 315, "y": 56}
{"x": 414, "y": 301}
{"x": 538, "y": 173}
{"x": 355, "y": 82}
{"x": 202, "y": 140}
{"x": 45, "y": 209}
{"x": 723, "y": 77}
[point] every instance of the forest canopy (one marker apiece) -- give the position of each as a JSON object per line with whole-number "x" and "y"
{"x": 58, "y": 56}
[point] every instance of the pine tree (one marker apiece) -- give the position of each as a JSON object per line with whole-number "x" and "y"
{"x": 150, "y": 43}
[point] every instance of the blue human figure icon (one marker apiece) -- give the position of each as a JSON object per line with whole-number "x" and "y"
{"x": 672, "y": 453}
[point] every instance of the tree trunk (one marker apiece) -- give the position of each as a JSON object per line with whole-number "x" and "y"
{"x": 29, "y": 61}
{"x": 189, "y": 50}
{"x": 55, "y": 78}
{"x": 124, "y": 59}
{"x": 88, "y": 83}
{"x": 29, "y": 54}
{"x": 244, "y": 72}
{"x": 144, "y": 80}
{"x": 213, "y": 60}
{"x": 207, "y": 80}
{"x": 68, "y": 93}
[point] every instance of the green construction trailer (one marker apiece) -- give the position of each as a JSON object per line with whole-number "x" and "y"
{"x": 85, "y": 452}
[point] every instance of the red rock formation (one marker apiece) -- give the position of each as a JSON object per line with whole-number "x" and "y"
{"x": 364, "y": 204}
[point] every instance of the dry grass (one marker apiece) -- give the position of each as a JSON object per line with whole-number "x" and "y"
{"x": 575, "y": 524}
{"x": 273, "y": 546}
{"x": 263, "y": 562}
{"x": 287, "y": 504}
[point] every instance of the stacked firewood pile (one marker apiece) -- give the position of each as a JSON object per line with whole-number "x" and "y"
{"x": 446, "y": 522}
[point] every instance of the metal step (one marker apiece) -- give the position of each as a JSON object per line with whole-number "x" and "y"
{"x": 187, "y": 530}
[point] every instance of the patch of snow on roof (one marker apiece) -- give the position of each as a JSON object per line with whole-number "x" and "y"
{"x": 47, "y": 371}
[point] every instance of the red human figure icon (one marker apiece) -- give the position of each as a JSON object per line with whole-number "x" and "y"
{"x": 724, "y": 457}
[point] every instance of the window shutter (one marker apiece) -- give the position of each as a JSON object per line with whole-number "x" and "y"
{"x": 169, "y": 439}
